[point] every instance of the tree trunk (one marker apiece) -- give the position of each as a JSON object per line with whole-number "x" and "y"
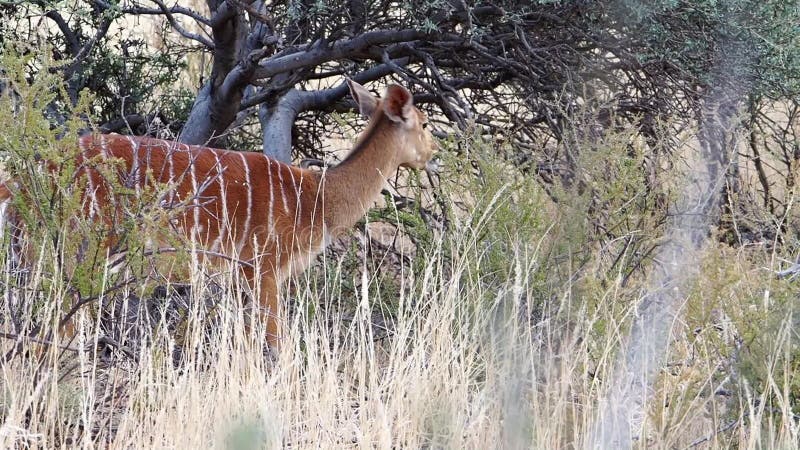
{"x": 276, "y": 125}
{"x": 217, "y": 103}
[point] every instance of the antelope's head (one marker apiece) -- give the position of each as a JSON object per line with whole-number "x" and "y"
{"x": 409, "y": 123}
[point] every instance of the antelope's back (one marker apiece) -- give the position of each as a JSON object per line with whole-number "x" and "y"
{"x": 221, "y": 198}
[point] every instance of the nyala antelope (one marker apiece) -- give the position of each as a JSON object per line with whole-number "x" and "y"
{"x": 274, "y": 217}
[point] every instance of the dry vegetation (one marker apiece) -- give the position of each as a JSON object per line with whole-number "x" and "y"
{"x": 499, "y": 330}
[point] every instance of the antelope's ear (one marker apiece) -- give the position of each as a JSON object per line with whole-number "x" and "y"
{"x": 397, "y": 103}
{"x": 365, "y": 100}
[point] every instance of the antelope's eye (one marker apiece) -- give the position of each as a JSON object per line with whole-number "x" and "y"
{"x": 424, "y": 125}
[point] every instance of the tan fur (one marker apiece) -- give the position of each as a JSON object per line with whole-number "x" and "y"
{"x": 278, "y": 216}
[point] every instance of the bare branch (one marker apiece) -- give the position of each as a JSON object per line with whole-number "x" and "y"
{"x": 87, "y": 47}
{"x": 322, "y": 99}
{"x": 317, "y": 53}
{"x": 72, "y": 40}
{"x": 173, "y": 10}
{"x": 180, "y": 29}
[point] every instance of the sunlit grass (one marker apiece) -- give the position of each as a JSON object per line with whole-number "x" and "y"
{"x": 466, "y": 364}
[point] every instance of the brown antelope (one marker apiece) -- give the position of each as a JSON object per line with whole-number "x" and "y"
{"x": 244, "y": 205}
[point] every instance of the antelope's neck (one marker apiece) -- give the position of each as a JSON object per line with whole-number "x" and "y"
{"x": 353, "y": 186}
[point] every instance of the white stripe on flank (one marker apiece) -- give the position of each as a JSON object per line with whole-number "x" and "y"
{"x": 104, "y": 149}
{"x": 103, "y": 146}
{"x": 283, "y": 190}
{"x": 173, "y": 184}
{"x": 5, "y": 223}
{"x": 134, "y": 165}
{"x": 90, "y": 191}
{"x": 249, "y": 190}
{"x": 223, "y": 199}
{"x": 270, "y": 224}
{"x": 3, "y": 217}
{"x": 299, "y": 206}
{"x": 195, "y": 199}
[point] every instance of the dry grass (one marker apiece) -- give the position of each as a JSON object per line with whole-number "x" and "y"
{"x": 467, "y": 364}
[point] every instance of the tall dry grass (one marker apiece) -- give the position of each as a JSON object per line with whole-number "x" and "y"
{"x": 467, "y": 363}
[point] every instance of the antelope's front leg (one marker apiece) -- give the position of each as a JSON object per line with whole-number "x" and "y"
{"x": 269, "y": 310}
